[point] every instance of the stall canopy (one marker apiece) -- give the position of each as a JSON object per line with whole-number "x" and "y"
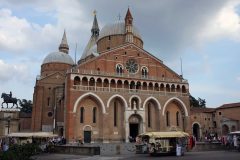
{"x": 33, "y": 134}
{"x": 172, "y": 134}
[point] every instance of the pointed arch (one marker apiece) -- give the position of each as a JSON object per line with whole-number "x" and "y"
{"x": 178, "y": 100}
{"x": 154, "y": 99}
{"x": 119, "y": 96}
{"x": 89, "y": 94}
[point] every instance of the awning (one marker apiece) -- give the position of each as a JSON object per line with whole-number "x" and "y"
{"x": 172, "y": 134}
{"x": 32, "y": 134}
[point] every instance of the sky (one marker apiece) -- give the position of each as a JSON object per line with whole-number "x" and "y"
{"x": 204, "y": 34}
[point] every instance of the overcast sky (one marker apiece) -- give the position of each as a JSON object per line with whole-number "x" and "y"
{"x": 205, "y": 34}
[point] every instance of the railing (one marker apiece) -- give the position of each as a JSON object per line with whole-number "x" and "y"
{"x": 124, "y": 75}
{"x": 127, "y": 91}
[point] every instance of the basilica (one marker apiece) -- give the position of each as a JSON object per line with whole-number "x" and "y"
{"x": 116, "y": 90}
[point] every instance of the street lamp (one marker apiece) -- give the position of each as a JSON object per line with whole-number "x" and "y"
{"x": 8, "y": 120}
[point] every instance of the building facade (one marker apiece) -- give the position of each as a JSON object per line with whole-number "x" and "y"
{"x": 215, "y": 121}
{"x": 116, "y": 91}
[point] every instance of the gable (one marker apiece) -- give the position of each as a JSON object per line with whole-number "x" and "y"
{"x": 55, "y": 78}
{"x": 107, "y": 62}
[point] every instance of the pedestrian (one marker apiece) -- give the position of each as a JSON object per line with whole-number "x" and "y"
{"x": 5, "y": 147}
{"x": 235, "y": 143}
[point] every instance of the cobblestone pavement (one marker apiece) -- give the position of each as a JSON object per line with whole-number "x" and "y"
{"x": 219, "y": 155}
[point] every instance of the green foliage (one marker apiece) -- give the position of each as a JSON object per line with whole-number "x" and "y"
{"x": 20, "y": 152}
{"x": 26, "y": 106}
{"x": 201, "y": 103}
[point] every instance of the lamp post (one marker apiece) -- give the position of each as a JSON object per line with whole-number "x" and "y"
{"x": 8, "y": 120}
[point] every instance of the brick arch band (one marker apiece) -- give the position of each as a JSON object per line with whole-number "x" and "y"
{"x": 89, "y": 94}
{"x": 178, "y": 100}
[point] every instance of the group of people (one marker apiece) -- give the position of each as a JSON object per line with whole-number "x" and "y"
{"x": 5, "y": 143}
{"x": 232, "y": 142}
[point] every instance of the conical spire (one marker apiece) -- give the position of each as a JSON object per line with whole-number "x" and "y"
{"x": 128, "y": 27}
{"x": 128, "y": 15}
{"x": 63, "y": 47}
{"x": 95, "y": 28}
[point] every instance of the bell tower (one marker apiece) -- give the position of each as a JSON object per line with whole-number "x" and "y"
{"x": 128, "y": 27}
{"x": 63, "y": 47}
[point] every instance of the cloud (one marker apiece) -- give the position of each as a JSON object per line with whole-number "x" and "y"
{"x": 238, "y": 78}
{"x": 12, "y": 31}
{"x": 19, "y": 72}
{"x": 20, "y": 35}
{"x": 225, "y": 24}
{"x": 175, "y": 25}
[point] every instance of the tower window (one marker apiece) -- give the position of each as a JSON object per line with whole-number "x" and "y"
{"x": 149, "y": 115}
{"x": 144, "y": 72}
{"x": 115, "y": 113}
{"x": 82, "y": 115}
{"x": 94, "y": 114}
{"x": 108, "y": 48}
{"x": 48, "y": 101}
{"x": 177, "y": 118}
{"x": 119, "y": 69}
{"x": 109, "y": 37}
{"x": 167, "y": 118}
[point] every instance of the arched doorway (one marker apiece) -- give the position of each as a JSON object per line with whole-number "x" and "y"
{"x": 134, "y": 126}
{"x": 87, "y": 134}
{"x": 196, "y": 131}
{"x": 225, "y": 129}
{"x": 61, "y": 131}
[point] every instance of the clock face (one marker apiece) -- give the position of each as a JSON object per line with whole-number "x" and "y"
{"x": 132, "y": 66}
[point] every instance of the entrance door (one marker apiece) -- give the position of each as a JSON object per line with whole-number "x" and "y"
{"x": 196, "y": 131}
{"x": 133, "y": 130}
{"x": 87, "y": 136}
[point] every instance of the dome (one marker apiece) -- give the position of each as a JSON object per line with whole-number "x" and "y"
{"x": 115, "y": 29}
{"x": 59, "y": 57}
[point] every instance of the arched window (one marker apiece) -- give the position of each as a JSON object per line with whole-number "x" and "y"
{"x": 81, "y": 114}
{"x": 94, "y": 114}
{"x": 144, "y": 72}
{"x": 119, "y": 69}
{"x": 177, "y": 118}
{"x": 115, "y": 113}
{"x": 48, "y": 101}
{"x": 167, "y": 118}
{"x": 76, "y": 80}
{"x": 149, "y": 115}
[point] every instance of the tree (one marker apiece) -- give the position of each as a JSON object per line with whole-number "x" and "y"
{"x": 26, "y": 106}
{"x": 200, "y": 103}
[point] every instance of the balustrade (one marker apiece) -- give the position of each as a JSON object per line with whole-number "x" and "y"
{"x": 126, "y": 90}
{"x": 126, "y": 75}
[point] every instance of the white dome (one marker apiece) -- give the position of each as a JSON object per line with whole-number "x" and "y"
{"x": 59, "y": 57}
{"x": 115, "y": 29}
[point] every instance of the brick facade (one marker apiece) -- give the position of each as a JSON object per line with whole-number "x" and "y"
{"x": 121, "y": 92}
